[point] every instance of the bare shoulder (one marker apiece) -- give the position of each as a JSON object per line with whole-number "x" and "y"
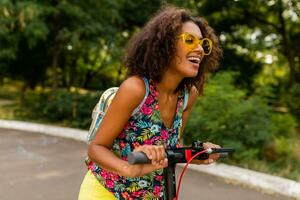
{"x": 193, "y": 94}
{"x": 133, "y": 85}
{"x": 132, "y": 90}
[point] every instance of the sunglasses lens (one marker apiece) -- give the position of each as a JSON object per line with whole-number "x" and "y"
{"x": 206, "y": 45}
{"x": 189, "y": 40}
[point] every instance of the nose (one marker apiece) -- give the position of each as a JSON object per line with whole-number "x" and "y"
{"x": 199, "y": 48}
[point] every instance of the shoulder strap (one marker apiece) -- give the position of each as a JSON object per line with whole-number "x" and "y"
{"x": 186, "y": 98}
{"x": 106, "y": 96}
{"x": 145, "y": 97}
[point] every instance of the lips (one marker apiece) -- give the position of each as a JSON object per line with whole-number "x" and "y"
{"x": 194, "y": 59}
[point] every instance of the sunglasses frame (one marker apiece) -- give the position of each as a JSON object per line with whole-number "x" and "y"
{"x": 198, "y": 41}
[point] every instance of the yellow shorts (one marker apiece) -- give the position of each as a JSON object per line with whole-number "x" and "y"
{"x": 91, "y": 189}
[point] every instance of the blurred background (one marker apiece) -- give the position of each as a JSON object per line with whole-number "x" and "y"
{"x": 57, "y": 56}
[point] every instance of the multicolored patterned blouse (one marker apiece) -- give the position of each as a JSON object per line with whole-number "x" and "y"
{"x": 143, "y": 127}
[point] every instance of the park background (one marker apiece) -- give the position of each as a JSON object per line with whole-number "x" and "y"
{"x": 58, "y": 56}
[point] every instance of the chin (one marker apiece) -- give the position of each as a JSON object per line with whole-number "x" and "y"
{"x": 187, "y": 70}
{"x": 192, "y": 73}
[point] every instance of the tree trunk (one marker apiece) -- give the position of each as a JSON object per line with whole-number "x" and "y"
{"x": 23, "y": 92}
{"x": 55, "y": 20}
{"x": 292, "y": 76}
{"x": 1, "y": 80}
{"x": 55, "y": 60}
{"x": 287, "y": 51}
{"x": 87, "y": 79}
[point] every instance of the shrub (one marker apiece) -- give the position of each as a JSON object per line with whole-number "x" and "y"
{"x": 226, "y": 116}
{"x": 71, "y": 108}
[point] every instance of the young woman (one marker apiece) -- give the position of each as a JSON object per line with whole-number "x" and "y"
{"x": 167, "y": 61}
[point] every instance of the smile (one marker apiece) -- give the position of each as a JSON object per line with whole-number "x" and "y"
{"x": 195, "y": 60}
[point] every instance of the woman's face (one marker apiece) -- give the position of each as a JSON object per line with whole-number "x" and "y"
{"x": 187, "y": 61}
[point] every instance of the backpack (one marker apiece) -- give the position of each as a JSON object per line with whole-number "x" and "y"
{"x": 104, "y": 102}
{"x": 102, "y": 105}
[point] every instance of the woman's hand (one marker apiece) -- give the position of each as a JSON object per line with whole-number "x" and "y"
{"x": 212, "y": 157}
{"x": 158, "y": 161}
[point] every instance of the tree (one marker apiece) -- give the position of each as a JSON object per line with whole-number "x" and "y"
{"x": 258, "y": 25}
{"x": 34, "y": 35}
{"x": 75, "y": 39}
{"x": 23, "y": 34}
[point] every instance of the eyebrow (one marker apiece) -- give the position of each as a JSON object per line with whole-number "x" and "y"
{"x": 200, "y": 38}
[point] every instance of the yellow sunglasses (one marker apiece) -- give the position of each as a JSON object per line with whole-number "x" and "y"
{"x": 191, "y": 41}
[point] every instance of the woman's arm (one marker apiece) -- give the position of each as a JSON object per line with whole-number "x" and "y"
{"x": 192, "y": 99}
{"x": 128, "y": 97}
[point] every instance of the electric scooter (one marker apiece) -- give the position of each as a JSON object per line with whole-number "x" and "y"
{"x": 178, "y": 155}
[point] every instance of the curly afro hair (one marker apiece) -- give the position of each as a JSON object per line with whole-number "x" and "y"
{"x": 150, "y": 51}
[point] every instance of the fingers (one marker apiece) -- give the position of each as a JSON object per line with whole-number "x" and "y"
{"x": 155, "y": 153}
{"x": 209, "y": 161}
{"x": 161, "y": 155}
{"x": 158, "y": 157}
{"x": 212, "y": 157}
{"x": 207, "y": 145}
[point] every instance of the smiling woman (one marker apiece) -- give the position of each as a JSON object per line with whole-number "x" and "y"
{"x": 153, "y": 48}
{"x": 166, "y": 61}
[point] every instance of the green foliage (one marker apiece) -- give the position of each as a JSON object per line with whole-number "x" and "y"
{"x": 71, "y": 108}
{"x": 226, "y": 116}
{"x": 285, "y": 125}
{"x": 83, "y": 38}
{"x": 281, "y": 147}
{"x": 35, "y": 35}
{"x": 78, "y": 39}
{"x": 249, "y": 29}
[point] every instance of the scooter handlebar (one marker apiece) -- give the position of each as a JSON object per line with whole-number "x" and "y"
{"x": 138, "y": 157}
{"x": 179, "y": 155}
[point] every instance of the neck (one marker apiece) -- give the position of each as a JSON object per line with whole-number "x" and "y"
{"x": 169, "y": 83}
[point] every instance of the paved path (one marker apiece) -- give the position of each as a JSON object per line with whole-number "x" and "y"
{"x": 39, "y": 167}
{"x": 36, "y": 166}
{"x": 202, "y": 186}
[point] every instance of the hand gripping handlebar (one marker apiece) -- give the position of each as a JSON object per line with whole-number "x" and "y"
{"x": 178, "y": 155}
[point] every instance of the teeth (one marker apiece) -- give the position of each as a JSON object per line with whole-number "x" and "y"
{"x": 194, "y": 59}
